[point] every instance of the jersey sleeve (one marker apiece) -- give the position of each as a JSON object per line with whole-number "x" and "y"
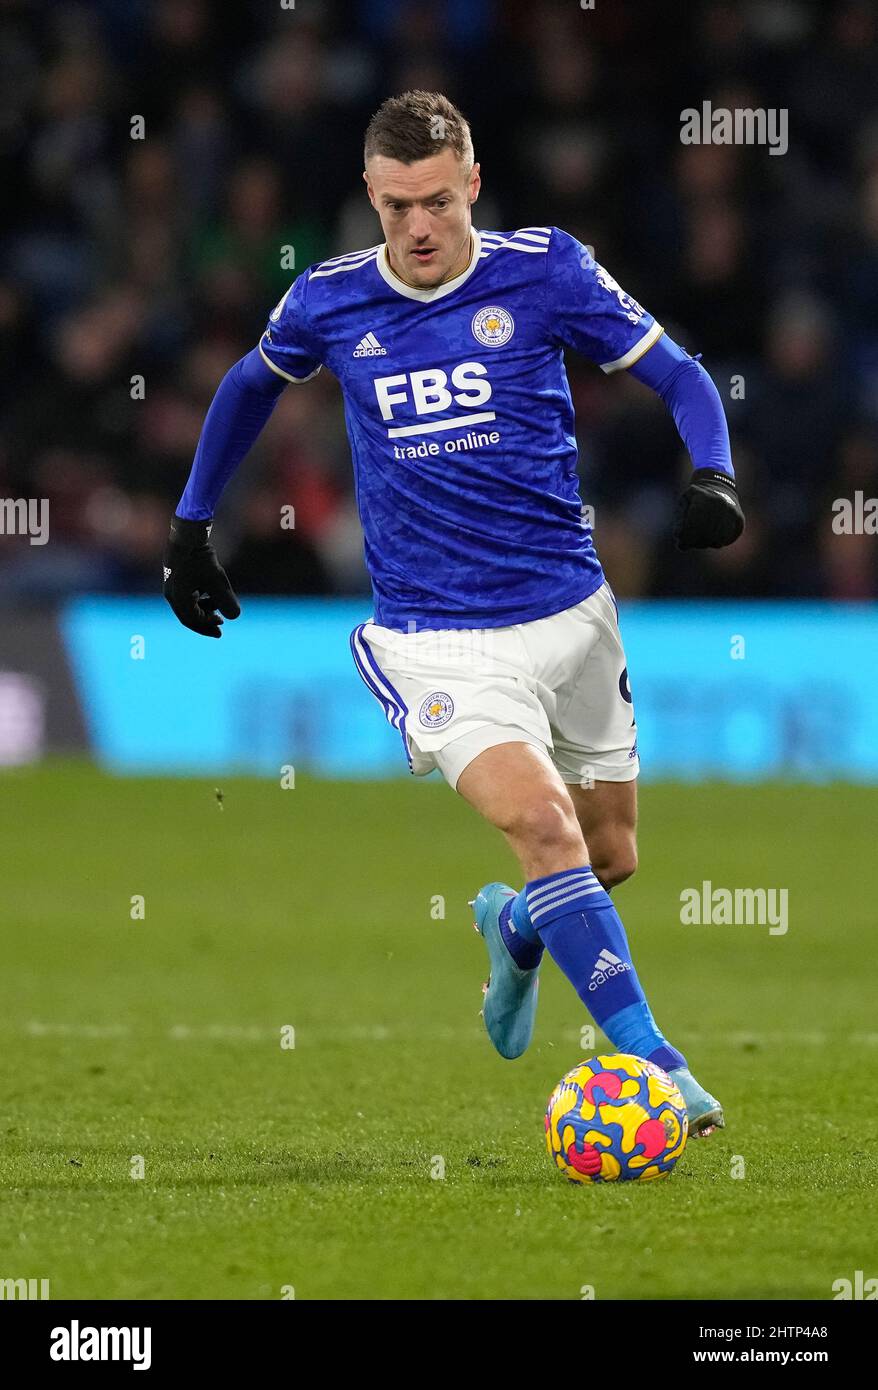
{"x": 289, "y": 345}
{"x": 589, "y": 311}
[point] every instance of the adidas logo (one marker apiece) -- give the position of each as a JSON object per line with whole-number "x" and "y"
{"x": 606, "y": 965}
{"x": 369, "y": 347}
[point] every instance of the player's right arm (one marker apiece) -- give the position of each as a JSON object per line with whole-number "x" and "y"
{"x": 195, "y": 583}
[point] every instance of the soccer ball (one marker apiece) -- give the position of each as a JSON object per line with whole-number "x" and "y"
{"x": 616, "y": 1118}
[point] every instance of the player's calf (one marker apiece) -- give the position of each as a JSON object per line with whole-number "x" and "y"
{"x": 614, "y": 862}
{"x": 607, "y": 814}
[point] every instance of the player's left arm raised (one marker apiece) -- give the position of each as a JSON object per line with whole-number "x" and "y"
{"x": 590, "y": 311}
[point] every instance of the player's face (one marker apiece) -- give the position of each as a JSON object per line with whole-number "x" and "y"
{"x": 425, "y": 214}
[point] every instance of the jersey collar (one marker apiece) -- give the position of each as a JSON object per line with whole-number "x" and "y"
{"x": 438, "y": 291}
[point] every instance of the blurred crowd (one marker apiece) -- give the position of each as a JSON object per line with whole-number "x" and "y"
{"x": 135, "y": 271}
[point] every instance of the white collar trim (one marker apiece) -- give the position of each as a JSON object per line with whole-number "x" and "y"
{"x": 438, "y": 291}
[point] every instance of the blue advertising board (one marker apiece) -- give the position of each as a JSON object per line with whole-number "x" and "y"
{"x": 735, "y": 690}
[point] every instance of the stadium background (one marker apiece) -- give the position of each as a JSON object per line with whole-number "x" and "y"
{"x": 160, "y": 258}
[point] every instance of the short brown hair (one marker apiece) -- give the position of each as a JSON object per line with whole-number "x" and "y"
{"x": 417, "y": 125}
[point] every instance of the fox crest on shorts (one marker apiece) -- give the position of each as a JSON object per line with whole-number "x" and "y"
{"x": 436, "y": 710}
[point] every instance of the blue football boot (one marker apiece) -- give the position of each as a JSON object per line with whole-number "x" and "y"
{"x": 704, "y": 1110}
{"x": 510, "y": 1003}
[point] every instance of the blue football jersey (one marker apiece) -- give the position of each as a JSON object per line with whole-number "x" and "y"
{"x": 460, "y": 419}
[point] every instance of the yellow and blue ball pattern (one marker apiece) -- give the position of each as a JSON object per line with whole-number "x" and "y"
{"x": 615, "y": 1118}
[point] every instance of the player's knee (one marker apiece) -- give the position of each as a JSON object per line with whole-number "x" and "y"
{"x": 616, "y": 862}
{"x": 546, "y": 825}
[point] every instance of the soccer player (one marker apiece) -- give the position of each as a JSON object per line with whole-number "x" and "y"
{"x": 494, "y": 647}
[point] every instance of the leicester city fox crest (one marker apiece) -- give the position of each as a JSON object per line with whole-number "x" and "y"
{"x": 493, "y": 326}
{"x": 436, "y": 710}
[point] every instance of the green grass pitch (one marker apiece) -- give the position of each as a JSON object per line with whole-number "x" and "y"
{"x": 270, "y": 1168}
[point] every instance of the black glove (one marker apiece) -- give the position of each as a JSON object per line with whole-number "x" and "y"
{"x": 196, "y": 585}
{"x": 709, "y": 512}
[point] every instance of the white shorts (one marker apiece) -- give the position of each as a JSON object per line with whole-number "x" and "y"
{"x": 560, "y": 683}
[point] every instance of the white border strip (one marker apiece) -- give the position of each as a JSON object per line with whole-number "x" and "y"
{"x": 651, "y": 336}
{"x": 442, "y": 425}
{"x": 296, "y": 380}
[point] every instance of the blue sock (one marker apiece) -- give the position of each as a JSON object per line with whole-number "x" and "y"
{"x": 582, "y": 931}
{"x": 634, "y": 1030}
{"x": 521, "y": 918}
{"x": 520, "y": 939}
